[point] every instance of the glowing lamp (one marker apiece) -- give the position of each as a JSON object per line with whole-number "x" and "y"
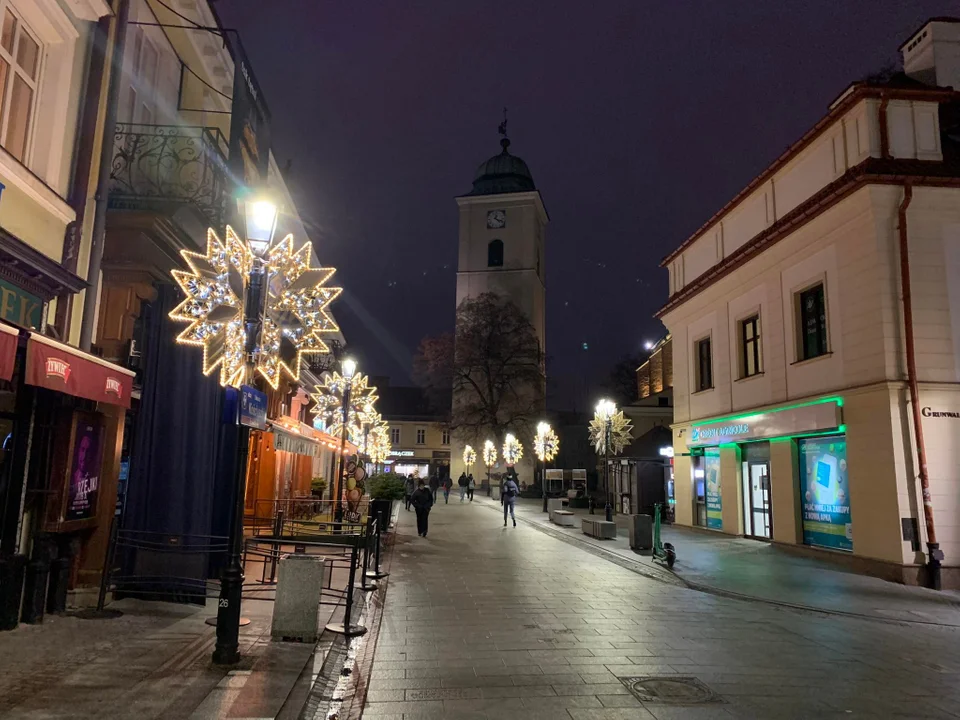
{"x": 349, "y": 368}
{"x": 260, "y": 216}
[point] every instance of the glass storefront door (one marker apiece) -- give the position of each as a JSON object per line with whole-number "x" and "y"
{"x": 757, "y": 517}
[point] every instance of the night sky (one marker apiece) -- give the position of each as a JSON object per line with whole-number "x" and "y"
{"x": 638, "y": 120}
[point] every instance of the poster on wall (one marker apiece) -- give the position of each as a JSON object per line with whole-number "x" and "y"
{"x": 711, "y": 466}
{"x": 85, "y": 472}
{"x": 826, "y": 499}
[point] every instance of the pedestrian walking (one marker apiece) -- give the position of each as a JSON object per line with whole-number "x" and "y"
{"x": 471, "y": 486}
{"x": 422, "y": 501}
{"x": 409, "y": 487}
{"x": 447, "y": 484}
{"x": 508, "y": 495}
{"x": 435, "y": 484}
{"x": 462, "y": 484}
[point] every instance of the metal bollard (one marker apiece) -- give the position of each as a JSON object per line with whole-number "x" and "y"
{"x": 376, "y": 573}
{"x": 346, "y": 627}
{"x": 275, "y": 551}
{"x": 365, "y": 582}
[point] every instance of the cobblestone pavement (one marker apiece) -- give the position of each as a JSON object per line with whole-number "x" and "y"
{"x": 483, "y": 621}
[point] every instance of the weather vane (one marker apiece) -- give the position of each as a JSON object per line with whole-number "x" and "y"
{"x": 502, "y": 129}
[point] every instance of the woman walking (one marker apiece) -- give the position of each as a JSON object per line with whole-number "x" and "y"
{"x": 471, "y": 486}
{"x": 422, "y": 501}
{"x": 508, "y": 496}
{"x": 462, "y": 484}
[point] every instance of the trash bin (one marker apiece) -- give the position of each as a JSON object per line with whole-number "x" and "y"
{"x": 11, "y": 589}
{"x": 295, "y": 611}
{"x": 58, "y": 585}
{"x": 641, "y": 532}
{"x": 495, "y": 492}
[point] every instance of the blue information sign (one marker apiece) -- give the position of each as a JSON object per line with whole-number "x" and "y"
{"x": 253, "y": 408}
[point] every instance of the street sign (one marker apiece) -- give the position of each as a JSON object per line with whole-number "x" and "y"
{"x": 253, "y": 408}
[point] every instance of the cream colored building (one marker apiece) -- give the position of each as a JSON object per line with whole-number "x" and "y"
{"x": 793, "y": 414}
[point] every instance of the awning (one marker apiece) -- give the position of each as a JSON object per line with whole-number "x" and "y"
{"x": 290, "y": 442}
{"x": 8, "y": 350}
{"x": 66, "y": 369}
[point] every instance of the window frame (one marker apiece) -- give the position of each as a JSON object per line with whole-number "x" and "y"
{"x": 745, "y": 346}
{"x": 698, "y": 378}
{"x": 394, "y": 436}
{"x": 421, "y": 436}
{"x": 14, "y": 70}
{"x": 445, "y": 437}
{"x": 800, "y": 320}
{"x": 491, "y": 258}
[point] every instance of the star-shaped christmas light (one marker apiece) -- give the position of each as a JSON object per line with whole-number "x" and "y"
{"x": 329, "y": 397}
{"x": 469, "y": 456}
{"x": 512, "y": 450}
{"x": 379, "y": 444}
{"x": 545, "y": 443}
{"x": 489, "y": 453}
{"x": 295, "y": 315}
{"x": 621, "y": 432}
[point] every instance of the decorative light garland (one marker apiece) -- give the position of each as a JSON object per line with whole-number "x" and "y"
{"x": 469, "y": 456}
{"x": 512, "y": 450}
{"x": 295, "y": 308}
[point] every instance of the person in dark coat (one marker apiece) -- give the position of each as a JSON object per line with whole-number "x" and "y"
{"x": 435, "y": 484}
{"x": 462, "y": 484}
{"x": 447, "y": 484}
{"x": 471, "y": 486}
{"x": 422, "y": 501}
{"x": 508, "y": 496}
{"x": 409, "y": 487}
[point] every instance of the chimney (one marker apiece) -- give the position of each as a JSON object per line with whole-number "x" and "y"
{"x": 932, "y": 54}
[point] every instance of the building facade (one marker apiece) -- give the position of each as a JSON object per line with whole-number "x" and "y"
{"x": 419, "y": 435}
{"x": 502, "y": 251}
{"x": 815, "y": 316}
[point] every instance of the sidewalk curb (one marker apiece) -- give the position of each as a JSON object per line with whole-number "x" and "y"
{"x": 674, "y": 578}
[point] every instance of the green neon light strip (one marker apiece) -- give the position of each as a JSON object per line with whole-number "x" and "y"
{"x": 740, "y": 416}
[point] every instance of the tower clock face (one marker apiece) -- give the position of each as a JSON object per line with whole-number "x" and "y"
{"x": 496, "y": 219}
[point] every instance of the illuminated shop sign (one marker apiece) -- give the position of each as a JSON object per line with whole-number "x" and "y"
{"x": 818, "y": 416}
{"x": 401, "y": 453}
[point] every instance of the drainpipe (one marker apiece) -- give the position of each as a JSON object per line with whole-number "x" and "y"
{"x": 81, "y": 174}
{"x": 103, "y": 177}
{"x": 935, "y": 554}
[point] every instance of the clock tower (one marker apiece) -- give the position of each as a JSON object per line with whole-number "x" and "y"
{"x": 502, "y": 246}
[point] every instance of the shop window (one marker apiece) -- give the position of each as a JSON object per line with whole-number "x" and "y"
{"x": 495, "y": 253}
{"x": 445, "y": 438}
{"x": 750, "y": 347}
{"x": 395, "y": 436}
{"x": 812, "y": 323}
{"x": 20, "y": 55}
{"x": 421, "y": 436}
{"x": 826, "y": 492}
{"x": 704, "y": 368}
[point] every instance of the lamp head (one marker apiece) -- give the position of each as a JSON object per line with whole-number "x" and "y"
{"x": 543, "y": 428}
{"x": 259, "y": 212}
{"x": 606, "y": 409}
{"x": 349, "y": 366}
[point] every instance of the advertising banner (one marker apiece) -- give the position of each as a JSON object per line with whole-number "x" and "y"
{"x": 85, "y": 471}
{"x": 59, "y": 367}
{"x": 826, "y": 499}
{"x": 711, "y": 467}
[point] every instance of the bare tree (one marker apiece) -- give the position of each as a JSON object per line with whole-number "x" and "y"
{"x": 493, "y": 365}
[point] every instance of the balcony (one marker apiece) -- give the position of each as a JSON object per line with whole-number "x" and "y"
{"x": 158, "y": 168}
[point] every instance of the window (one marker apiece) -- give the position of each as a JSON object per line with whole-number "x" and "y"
{"x": 750, "y": 346}
{"x": 495, "y": 253}
{"x": 19, "y": 71}
{"x": 445, "y": 437}
{"x": 421, "y": 436}
{"x": 812, "y": 314}
{"x": 704, "y": 379}
{"x": 394, "y": 436}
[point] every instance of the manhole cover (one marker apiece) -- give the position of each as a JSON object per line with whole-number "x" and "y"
{"x": 670, "y": 690}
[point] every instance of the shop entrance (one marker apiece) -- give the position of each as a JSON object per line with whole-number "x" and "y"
{"x": 757, "y": 517}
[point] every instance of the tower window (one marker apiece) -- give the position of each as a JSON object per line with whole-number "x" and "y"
{"x": 495, "y": 253}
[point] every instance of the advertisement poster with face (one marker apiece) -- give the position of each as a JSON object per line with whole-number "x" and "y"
{"x": 85, "y": 472}
{"x": 711, "y": 467}
{"x": 826, "y": 499}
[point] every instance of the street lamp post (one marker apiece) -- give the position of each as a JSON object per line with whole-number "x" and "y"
{"x": 489, "y": 458}
{"x": 349, "y": 367}
{"x": 261, "y": 221}
{"x": 603, "y": 426}
{"x": 545, "y": 446}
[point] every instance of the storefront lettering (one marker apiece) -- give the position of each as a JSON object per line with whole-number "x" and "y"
{"x": 19, "y": 307}
{"x": 927, "y": 412}
{"x": 113, "y": 386}
{"x": 56, "y": 367}
{"x": 708, "y": 433}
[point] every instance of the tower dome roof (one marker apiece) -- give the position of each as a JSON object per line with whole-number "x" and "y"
{"x": 503, "y": 173}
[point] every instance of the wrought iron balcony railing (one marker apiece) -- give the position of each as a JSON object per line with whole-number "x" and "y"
{"x": 156, "y": 167}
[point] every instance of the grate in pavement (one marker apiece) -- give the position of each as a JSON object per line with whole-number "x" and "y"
{"x": 670, "y": 690}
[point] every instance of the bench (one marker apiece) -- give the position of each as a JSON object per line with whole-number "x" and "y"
{"x": 564, "y": 518}
{"x": 600, "y": 529}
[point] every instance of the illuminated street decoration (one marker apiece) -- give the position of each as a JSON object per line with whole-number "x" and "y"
{"x": 295, "y": 312}
{"x": 328, "y": 400}
{"x": 379, "y": 447}
{"x": 545, "y": 443}
{"x": 620, "y": 430}
{"x": 512, "y": 450}
{"x": 489, "y": 453}
{"x": 469, "y": 456}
